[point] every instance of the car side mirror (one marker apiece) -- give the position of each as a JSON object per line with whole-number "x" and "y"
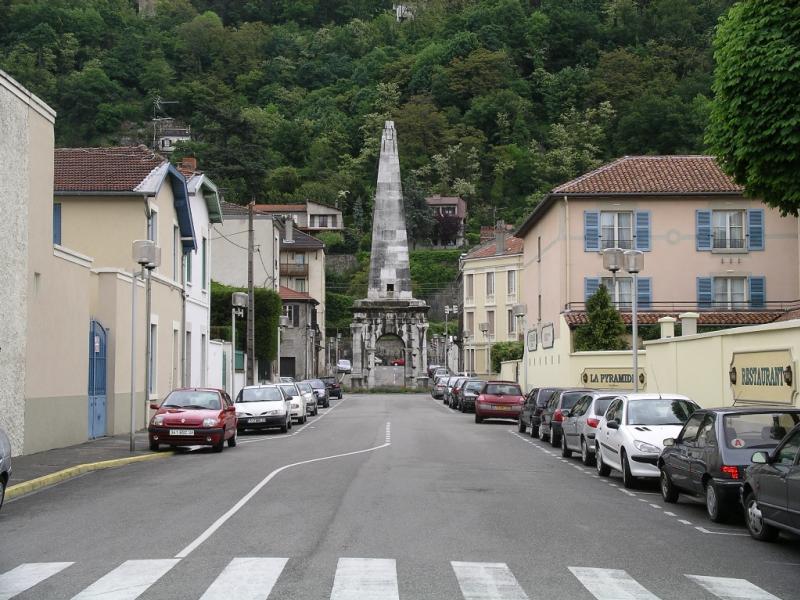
{"x": 612, "y": 424}
{"x": 669, "y": 442}
{"x": 760, "y": 458}
{"x": 154, "y": 406}
{"x": 566, "y": 413}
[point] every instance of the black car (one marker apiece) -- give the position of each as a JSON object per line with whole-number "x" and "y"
{"x": 551, "y": 415}
{"x": 469, "y": 393}
{"x": 531, "y": 415}
{"x": 771, "y": 490}
{"x": 458, "y": 390}
{"x": 333, "y": 387}
{"x": 709, "y": 457}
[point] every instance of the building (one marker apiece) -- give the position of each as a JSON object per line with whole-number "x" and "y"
{"x": 206, "y": 213}
{"x": 490, "y": 275}
{"x": 311, "y": 217}
{"x": 448, "y": 207}
{"x": 169, "y": 134}
{"x": 300, "y": 336}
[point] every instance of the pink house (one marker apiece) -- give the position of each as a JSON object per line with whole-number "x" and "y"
{"x": 707, "y": 247}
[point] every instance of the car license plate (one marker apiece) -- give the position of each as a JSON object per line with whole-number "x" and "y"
{"x": 260, "y": 420}
{"x": 181, "y": 431}
{"x": 501, "y": 407}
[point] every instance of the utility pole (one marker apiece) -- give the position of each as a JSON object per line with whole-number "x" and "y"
{"x": 251, "y": 299}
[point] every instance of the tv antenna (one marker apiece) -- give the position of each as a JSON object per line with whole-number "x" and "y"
{"x": 158, "y": 108}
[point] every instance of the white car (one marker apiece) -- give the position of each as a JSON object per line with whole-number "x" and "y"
{"x": 631, "y": 434}
{"x": 297, "y": 400}
{"x": 344, "y": 366}
{"x": 312, "y": 404}
{"x": 262, "y": 407}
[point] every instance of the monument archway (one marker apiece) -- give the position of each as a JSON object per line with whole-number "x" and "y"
{"x": 390, "y": 347}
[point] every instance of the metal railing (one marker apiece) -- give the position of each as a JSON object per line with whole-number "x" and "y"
{"x": 693, "y": 305}
{"x": 294, "y": 270}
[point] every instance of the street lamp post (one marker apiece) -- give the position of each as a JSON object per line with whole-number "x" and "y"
{"x": 612, "y": 261}
{"x": 484, "y": 328}
{"x": 634, "y": 263}
{"x": 238, "y": 304}
{"x": 283, "y": 321}
{"x": 448, "y": 310}
{"x": 519, "y": 311}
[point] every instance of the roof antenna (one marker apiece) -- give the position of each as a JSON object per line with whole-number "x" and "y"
{"x": 658, "y": 389}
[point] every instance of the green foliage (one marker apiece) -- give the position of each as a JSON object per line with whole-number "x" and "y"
{"x": 605, "y": 329}
{"x": 338, "y": 313}
{"x": 755, "y": 121}
{"x": 502, "y": 351}
{"x": 430, "y": 269}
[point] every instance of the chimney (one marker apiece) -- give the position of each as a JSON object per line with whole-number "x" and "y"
{"x": 288, "y": 230}
{"x": 689, "y": 323}
{"x": 500, "y": 238}
{"x": 189, "y": 163}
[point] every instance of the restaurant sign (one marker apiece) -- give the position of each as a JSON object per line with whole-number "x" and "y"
{"x": 611, "y": 378}
{"x": 765, "y": 376}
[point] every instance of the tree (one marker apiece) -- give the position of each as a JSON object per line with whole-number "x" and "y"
{"x": 755, "y": 120}
{"x": 503, "y": 351}
{"x": 605, "y": 328}
{"x": 419, "y": 218}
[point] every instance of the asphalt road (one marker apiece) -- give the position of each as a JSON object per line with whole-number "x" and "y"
{"x": 380, "y": 497}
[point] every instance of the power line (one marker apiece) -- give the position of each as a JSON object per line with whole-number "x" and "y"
{"x": 226, "y": 238}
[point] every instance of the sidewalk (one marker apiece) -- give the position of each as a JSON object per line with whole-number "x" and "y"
{"x": 34, "y": 471}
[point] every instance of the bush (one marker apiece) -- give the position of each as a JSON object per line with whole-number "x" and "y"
{"x": 503, "y": 351}
{"x": 605, "y": 329}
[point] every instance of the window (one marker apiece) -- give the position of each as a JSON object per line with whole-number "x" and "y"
{"x": 664, "y": 411}
{"x": 729, "y": 292}
{"x": 292, "y": 311}
{"x": 204, "y": 258}
{"x": 203, "y": 359}
{"x": 757, "y": 430}
{"x": 689, "y": 432}
{"x": 390, "y": 287}
{"x": 788, "y": 452}
{"x": 469, "y": 289}
{"x": 176, "y": 252}
{"x": 616, "y": 230}
{"x": 512, "y": 325}
{"x": 490, "y": 320}
{"x": 188, "y": 367}
{"x": 621, "y": 293}
{"x": 511, "y": 283}
{"x": 152, "y": 227}
{"x": 490, "y": 286}
{"x": 300, "y": 284}
{"x": 728, "y": 229}
{"x": 57, "y": 223}
{"x": 187, "y": 266}
{"x": 471, "y": 323}
{"x": 705, "y": 435}
{"x": 299, "y": 258}
{"x": 151, "y": 381}
{"x": 615, "y": 411}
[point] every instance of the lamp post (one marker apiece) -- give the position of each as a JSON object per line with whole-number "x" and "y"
{"x": 519, "y": 311}
{"x": 238, "y": 304}
{"x": 484, "y": 329}
{"x": 634, "y": 263}
{"x": 448, "y": 310}
{"x": 465, "y": 336}
{"x": 148, "y": 349}
{"x": 144, "y": 253}
{"x": 612, "y": 261}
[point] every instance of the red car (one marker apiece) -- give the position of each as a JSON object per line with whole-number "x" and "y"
{"x": 399, "y": 362}
{"x": 499, "y": 400}
{"x": 194, "y": 417}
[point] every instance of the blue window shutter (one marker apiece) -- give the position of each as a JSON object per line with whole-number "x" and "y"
{"x": 644, "y": 292}
{"x": 703, "y": 230}
{"x": 705, "y": 292}
{"x": 591, "y": 231}
{"x": 57, "y": 223}
{"x": 590, "y": 285}
{"x": 758, "y": 292}
{"x": 642, "y": 219}
{"x": 755, "y": 229}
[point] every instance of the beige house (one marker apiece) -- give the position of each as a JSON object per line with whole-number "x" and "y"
{"x": 491, "y": 279}
{"x": 312, "y": 217}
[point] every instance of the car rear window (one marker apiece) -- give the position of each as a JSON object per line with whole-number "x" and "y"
{"x": 262, "y": 394}
{"x": 757, "y": 430}
{"x": 474, "y": 386}
{"x": 601, "y": 404}
{"x": 507, "y": 389}
{"x": 304, "y": 387}
{"x": 659, "y": 411}
{"x": 569, "y": 399}
{"x": 289, "y": 389}
{"x": 193, "y": 399}
{"x": 544, "y": 396}
{"x": 316, "y": 383}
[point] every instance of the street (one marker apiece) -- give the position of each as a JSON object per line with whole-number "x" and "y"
{"x": 387, "y": 496}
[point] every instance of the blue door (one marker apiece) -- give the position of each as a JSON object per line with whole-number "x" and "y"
{"x": 97, "y": 380}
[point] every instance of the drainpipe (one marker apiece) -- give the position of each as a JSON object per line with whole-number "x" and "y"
{"x": 567, "y": 266}
{"x": 184, "y": 381}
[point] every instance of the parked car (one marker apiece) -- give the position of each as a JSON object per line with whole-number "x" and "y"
{"x": 431, "y": 370}
{"x": 398, "y": 362}
{"x": 709, "y": 456}
{"x": 448, "y": 391}
{"x": 771, "y": 490}
{"x": 334, "y": 387}
{"x": 552, "y": 414}
{"x": 498, "y": 400}
{"x": 287, "y": 379}
{"x": 531, "y": 415}
{"x": 630, "y": 435}
{"x": 441, "y": 372}
{"x": 437, "y": 391}
{"x": 469, "y": 394}
{"x": 452, "y": 401}
{"x": 343, "y": 366}
{"x": 580, "y": 424}
{"x": 321, "y": 391}
{"x": 194, "y": 417}
{"x": 5, "y": 465}
{"x": 312, "y": 406}
{"x": 458, "y": 393}
{"x": 297, "y": 401}
{"x": 263, "y": 407}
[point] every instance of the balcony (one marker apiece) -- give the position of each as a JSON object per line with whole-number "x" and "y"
{"x": 293, "y": 270}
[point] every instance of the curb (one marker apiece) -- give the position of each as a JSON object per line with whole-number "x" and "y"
{"x": 26, "y": 487}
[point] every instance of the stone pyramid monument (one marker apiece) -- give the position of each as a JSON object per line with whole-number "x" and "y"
{"x": 389, "y": 325}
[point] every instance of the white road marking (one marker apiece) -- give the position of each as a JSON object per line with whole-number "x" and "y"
{"x": 611, "y": 584}
{"x": 653, "y": 505}
{"x": 294, "y": 433}
{"x": 129, "y": 580}
{"x": 684, "y": 521}
{"x": 487, "y": 581}
{"x": 730, "y": 588}
{"x": 704, "y": 530}
{"x": 365, "y": 579}
{"x": 246, "y": 579}
{"x": 666, "y": 512}
{"x": 246, "y": 498}
{"x": 26, "y": 576}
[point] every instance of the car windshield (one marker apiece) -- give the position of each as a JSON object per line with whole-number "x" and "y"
{"x": 290, "y": 389}
{"x": 570, "y": 399}
{"x": 601, "y": 404}
{"x": 329, "y": 380}
{"x": 304, "y": 387}
{"x": 659, "y": 411}
{"x": 260, "y": 394}
{"x": 316, "y": 383}
{"x": 505, "y": 389}
{"x": 192, "y": 399}
{"x": 758, "y": 430}
{"x": 474, "y": 386}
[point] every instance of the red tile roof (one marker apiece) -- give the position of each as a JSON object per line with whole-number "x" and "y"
{"x": 280, "y": 208}
{"x": 575, "y": 318}
{"x": 290, "y": 294}
{"x": 654, "y": 175}
{"x": 789, "y": 315}
{"x": 513, "y": 246}
{"x": 116, "y": 169}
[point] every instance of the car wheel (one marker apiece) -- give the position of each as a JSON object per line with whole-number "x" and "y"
{"x": 714, "y": 508}
{"x": 232, "y": 440}
{"x": 154, "y": 446}
{"x": 755, "y": 521}
{"x": 290, "y": 422}
{"x": 463, "y": 407}
{"x": 602, "y": 468}
{"x": 628, "y": 479}
{"x": 565, "y": 452}
{"x": 285, "y": 427}
{"x": 544, "y": 433}
{"x": 2, "y": 491}
{"x": 305, "y": 417}
{"x": 478, "y": 418}
{"x": 668, "y": 490}
{"x": 521, "y": 425}
{"x": 221, "y": 445}
{"x": 316, "y": 408}
{"x": 535, "y": 431}
{"x": 586, "y": 457}
{"x": 554, "y": 439}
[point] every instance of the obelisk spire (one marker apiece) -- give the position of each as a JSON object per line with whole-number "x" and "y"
{"x": 389, "y": 273}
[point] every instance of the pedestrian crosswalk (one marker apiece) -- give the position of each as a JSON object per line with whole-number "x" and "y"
{"x": 251, "y": 578}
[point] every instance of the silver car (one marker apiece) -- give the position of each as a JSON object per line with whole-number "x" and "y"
{"x": 312, "y": 403}
{"x": 580, "y": 424}
{"x": 298, "y": 401}
{"x": 5, "y": 464}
